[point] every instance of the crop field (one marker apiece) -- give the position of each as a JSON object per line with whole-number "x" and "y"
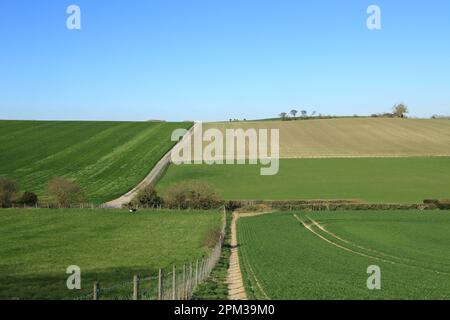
{"x": 37, "y": 245}
{"x": 355, "y": 137}
{"x": 296, "y": 255}
{"x": 375, "y": 180}
{"x": 107, "y": 159}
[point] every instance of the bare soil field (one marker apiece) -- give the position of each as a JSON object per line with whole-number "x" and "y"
{"x": 355, "y": 137}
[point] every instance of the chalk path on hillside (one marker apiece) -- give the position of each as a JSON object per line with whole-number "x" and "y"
{"x": 153, "y": 176}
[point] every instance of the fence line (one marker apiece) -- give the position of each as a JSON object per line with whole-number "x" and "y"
{"x": 178, "y": 284}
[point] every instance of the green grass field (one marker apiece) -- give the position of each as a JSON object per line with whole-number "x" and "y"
{"x": 395, "y": 180}
{"x": 37, "y": 245}
{"x": 106, "y": 158}
{"x": 281, "y": 259}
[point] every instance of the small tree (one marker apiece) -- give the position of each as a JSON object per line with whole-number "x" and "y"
{"x": 304, "y": 113}
{"x": 8, "y": 192}
{"x": 29, "y": 198}
{"x": 283, "y": 115}
{"x": 293, "y": 113}
{"x": 147, "y": 197}
{"x": 400, "y": 110}
{"x": 64, "y": 192}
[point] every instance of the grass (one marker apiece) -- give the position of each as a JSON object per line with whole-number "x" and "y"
{"x": 281, "y": 259}
{"x": 355, "y": 137}
{"x": 216, "y": 286}
{"x": 377, "y": 180}
{"x": 108, "y": 245}
{"x": 106, "y": 158}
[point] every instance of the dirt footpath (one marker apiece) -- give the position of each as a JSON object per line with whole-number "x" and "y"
{"x": 236, "y": 290}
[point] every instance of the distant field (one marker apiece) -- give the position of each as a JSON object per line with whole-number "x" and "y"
{"x": 378, "y": 180}
{"x": 109, "y": 246}
{"x": 106, "y": 158}
{"x": 281, "y": 259}
{"x": 355, "y": 137}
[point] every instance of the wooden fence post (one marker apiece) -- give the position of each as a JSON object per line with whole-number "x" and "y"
{"x": 174, "y": 282}
{"x": 136, "y": 287}
{"x": 183, "y": 293}
{"x": 191, "y": 268}
{"x": 96, "y": 294}
{"x": 196, "y": 273}
{"x": 160, "y": 284}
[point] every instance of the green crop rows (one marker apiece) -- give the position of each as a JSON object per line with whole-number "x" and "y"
{"x": 106, "y": 158}
{"x": 281, "y": 259}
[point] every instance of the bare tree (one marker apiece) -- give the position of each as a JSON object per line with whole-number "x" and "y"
{"x": 283, "y": 115}
{"x": 8, "y": 192}
{"x": 400, "y": 110}
{"x": 64, "y": 192}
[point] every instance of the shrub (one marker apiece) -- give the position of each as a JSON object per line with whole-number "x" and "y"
{"x": 29, "y": 198}
{"x": 255, "y": 208}
{"x": 232, "y": 205}
{"x": 64, "y": 192}
{"x": 212, "y": 237}
{"x": 192, "y": 195}
{"x": 147, "y": 197}
{"x": 8, "y": 192}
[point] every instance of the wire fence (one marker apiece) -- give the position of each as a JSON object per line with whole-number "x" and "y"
{"x": 178, "y": 283}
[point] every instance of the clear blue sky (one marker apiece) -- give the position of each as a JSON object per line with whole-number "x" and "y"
{"x": 220, "y": 59}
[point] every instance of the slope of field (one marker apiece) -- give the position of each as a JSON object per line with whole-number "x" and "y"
{"x": 106, "y": 158}
{"x": 355, "y": 137}
{"x": 378, "y": 180}
{"x": 109, "y": 246}
{"x": 282, "y": 259}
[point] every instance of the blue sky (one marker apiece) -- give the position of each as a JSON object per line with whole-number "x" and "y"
{"x": 220, "y": 59}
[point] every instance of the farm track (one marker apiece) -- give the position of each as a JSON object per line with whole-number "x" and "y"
{"x": 152, "y": 177}
{"x": 236, "y": 289}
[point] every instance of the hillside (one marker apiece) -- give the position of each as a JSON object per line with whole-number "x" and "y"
{"x": 356, "y": 137}
{"x": 369, "y": 159}
{"x": 106, "y": 158}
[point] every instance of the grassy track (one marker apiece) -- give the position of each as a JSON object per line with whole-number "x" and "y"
{"x": 284, "y": 260}
{"x": 108, "y": 246}
{"x": 106, "y": 158}
{"x": 396, "y": 180}
{"x": 355, "y": 137}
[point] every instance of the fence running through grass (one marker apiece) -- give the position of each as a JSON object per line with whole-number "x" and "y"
{"x": 179, "y": 283}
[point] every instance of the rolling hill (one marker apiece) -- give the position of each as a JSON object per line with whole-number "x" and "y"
{"x": 370, "y": 159}
{"x": 106, "y": 158}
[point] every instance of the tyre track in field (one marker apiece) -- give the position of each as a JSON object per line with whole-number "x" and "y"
{"x": 318, "y": 225}
{"x": 309, "y": 228}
